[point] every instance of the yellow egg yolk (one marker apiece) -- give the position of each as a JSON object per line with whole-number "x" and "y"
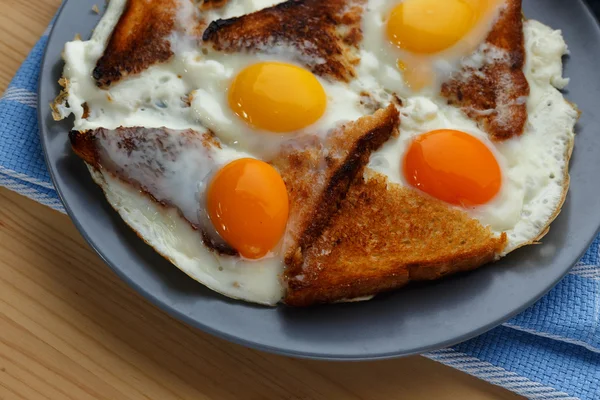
{"x": 453, "y": 166}
{"x": 277, "y": 97}
{"x": 430, "y": 26}
{"x": 247, "y": 203}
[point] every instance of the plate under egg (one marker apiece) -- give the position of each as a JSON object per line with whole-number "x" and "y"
{"x": 421, "y": 319}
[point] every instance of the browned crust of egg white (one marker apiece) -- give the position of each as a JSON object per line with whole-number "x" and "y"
{"x": 61, "y": 98}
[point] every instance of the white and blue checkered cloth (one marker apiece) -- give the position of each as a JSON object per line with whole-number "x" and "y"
{"x": 550, "y": 351}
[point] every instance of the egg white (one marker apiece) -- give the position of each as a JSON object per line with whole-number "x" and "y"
{"x": 233, "y": 9}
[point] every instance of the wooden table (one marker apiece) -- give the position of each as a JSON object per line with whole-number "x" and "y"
{"x": 70, "y": 329}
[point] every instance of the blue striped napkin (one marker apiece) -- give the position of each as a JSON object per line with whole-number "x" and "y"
{"x": 550, "y": 351}
{"x": 22, "y": 165}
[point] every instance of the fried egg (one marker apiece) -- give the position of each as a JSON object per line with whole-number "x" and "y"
{"x": 516, "y": 186}
{"x": 412, "y": 46}
{"x": 173, "y": 187}
{"x": 259, "y": 101}
{"x": 177, "y": 241}
{"x": 158, "y": 96}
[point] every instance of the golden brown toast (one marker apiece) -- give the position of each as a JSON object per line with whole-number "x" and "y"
{"x": 326, "y": 34}
{"x": 140, "y": 37}
{"x": 138, "y": 41}
{"x": 382, "y": 237}
{"x": 496, "y": 96}
{"x": 317, "y": 175}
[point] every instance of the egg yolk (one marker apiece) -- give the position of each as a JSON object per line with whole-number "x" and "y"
{"x": 430, "y": 26}
{"x": 277, "y": 97}
{"x": 453, "y": 166}
{"x": 248, "y": 204}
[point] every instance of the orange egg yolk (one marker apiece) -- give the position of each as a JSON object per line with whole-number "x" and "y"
{"x": 453, "y": 166}
{"x": 430, "y": 26}
{"x": 277, "y": 97}
{"x": 248, "y": 204}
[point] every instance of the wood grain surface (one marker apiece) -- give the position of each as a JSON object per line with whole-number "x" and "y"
{"x": 70, "y": 329}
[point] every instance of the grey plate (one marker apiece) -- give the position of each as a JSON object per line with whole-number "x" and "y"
{"x": 412, "y": 320}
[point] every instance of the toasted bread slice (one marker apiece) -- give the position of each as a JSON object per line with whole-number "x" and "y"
{"x": 383, "y": 236}
{"x": 317, "y": 175}
{"x": 495, "y": 96}
{"x": 138, "y": 41}
{"x": 138, "y": 164}
{"x": 325, "y": 34}
{"x": 211, "y": 4}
